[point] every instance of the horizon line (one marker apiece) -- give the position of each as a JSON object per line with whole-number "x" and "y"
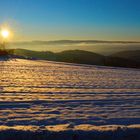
{"x": 74, "y": 41}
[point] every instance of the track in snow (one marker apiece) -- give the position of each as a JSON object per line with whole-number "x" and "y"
{"x": 49, "y": 93}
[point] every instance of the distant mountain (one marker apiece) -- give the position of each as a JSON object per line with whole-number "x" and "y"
{"x": 131, "y": 55}
{"x": 58, "y": 42}
{"x": 125, "y": 59}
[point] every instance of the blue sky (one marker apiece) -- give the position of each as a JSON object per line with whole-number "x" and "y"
{"x": 72, "y": 19}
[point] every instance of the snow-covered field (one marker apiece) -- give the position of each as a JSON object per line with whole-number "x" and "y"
{"x": 60, "y": 97}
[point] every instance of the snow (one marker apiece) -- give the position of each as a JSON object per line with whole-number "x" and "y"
{"x": 52, "y": 96}
{"x": 64, "y": 132}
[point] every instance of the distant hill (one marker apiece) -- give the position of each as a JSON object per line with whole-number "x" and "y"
{"x": 79, "y": 56}
{"x": 121, "y": 62}
{"x": 71, "y": 56}
{"x": 122, "y": 59}
{"x": 39, "y": 42}
{"x": 131, "y": 55}
{"x": 34, "y": 54}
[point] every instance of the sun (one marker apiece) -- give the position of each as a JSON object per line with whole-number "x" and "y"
{"x": 5, "y": 33}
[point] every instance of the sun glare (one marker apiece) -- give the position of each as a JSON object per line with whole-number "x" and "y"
{"x": 5, "y": 33}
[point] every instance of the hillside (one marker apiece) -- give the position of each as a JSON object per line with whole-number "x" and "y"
{"x": 71, "y": 56}
{"x": 79, "y": 56}
{"x": 121, "y": 62}
{"x": 122, "y": 59}
{"x": 130, "y": 55}
{"x": 34, "y": 54}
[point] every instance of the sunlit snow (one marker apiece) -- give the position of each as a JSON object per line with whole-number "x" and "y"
{"x": 49, "y": 93}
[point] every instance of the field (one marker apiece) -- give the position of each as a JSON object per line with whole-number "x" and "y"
{"x": 43, "y": 95}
